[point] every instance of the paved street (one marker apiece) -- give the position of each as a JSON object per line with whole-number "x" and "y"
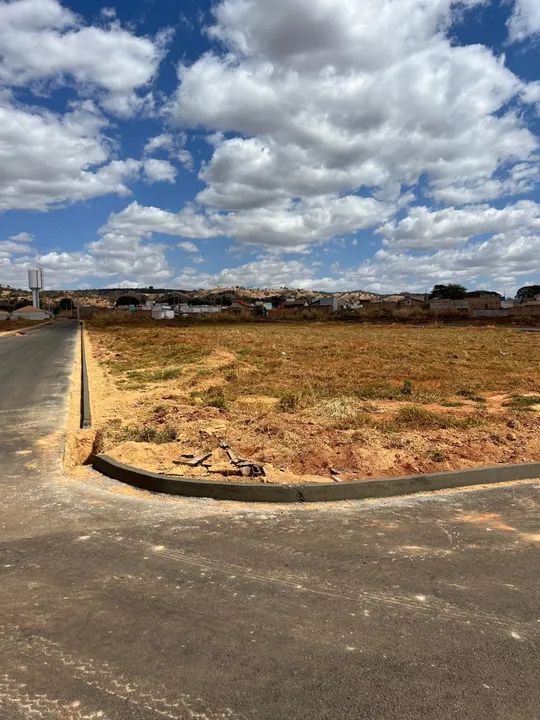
{"x": 120, "y": 605}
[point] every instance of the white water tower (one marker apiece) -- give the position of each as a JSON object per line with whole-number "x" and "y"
{"x": 35, "y": 283}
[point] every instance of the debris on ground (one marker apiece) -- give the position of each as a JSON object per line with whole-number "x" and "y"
{"x": 192, "y": 460}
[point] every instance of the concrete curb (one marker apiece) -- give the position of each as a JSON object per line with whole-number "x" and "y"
{"x": 313, "y": 492}
{"x": 86, "y": 415}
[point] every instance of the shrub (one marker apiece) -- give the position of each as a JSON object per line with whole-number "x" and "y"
{"x": 407, "y": 388}
{"x": 214, "y": 398}
{"x": 289, "y": 402}
{"x": 437, "y": 456}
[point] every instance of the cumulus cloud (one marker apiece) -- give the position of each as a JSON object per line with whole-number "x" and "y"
{"x": 317, "y": 105}
{"x": 525, "y": 20}
{"x": 188, "y": 246}
{"x": 163, "y": 141}
{"x": 286, "y": 225}
{"x": 47, "y": 158}
{"x": 319, "y": 127}
{"x": 159, "y": 170}
{"x": 18, "y": 244}
{"x": 494, "y": 263}
{"x": 173, "y": 146}
{"x": 426, "y": 229}
{"x": 43, "y": 42}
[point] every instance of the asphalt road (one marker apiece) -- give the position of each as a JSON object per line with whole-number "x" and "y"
{"x": 116, "y": 604}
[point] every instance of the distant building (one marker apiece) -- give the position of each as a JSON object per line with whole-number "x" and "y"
{"x": 399, "y": 301}
{"x": 29, "y": 312}
{"x": 329, "y": 304}
{"x": 239, "y": 307}
{"x": 4, "y": 315}
{"x": 532, "y": 301}
{"x": 478, "y": 302}
{"x": 186, "y": 310}
{"x": 162, "y": 312}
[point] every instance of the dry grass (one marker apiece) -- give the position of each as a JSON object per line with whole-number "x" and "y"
{"x": 10, "y": 325}
{"x": 328, "y": 359}
{"x": 308, "y": 396}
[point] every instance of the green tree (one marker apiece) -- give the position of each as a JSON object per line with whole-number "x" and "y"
{"x": 528, "y": 291}
{"x": 452, "y": 291}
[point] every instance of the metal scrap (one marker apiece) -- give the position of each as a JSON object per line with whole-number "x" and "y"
{"x": 192, "y": 461}
{"x": 248, "y": 468}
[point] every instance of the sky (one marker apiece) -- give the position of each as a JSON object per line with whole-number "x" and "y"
{"x": 379, "y": 145}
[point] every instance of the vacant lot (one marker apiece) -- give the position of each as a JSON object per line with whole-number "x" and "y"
{"x": 316, "y": 399}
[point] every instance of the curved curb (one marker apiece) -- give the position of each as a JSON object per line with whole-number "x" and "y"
{"x": 313, "y": 492}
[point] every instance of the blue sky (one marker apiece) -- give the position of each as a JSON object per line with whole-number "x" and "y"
{"x": 243, "y": 142}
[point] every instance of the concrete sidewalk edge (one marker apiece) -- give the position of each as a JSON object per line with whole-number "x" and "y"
{"x": 313, "y": 492}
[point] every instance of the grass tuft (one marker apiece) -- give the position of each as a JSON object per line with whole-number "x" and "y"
{"x": 523, "y": 402}
{"x": 471, "y": 395}
{"x": 147, "y": 433}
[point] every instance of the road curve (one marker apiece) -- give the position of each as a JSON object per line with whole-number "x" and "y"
{"x": 119, "y": 605}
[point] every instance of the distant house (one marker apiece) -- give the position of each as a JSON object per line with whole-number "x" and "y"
{"x": 414, "y": 300}
{"x": 239, "y": 307}
{"x": 405, "y": 300}
{"x": 292, "y": 303}
{"x": 329, "y": 304}
{"x": 28, "y": 312}
{"x": 4, "y": 315}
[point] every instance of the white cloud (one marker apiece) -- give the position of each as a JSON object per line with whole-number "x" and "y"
{"x": 159, "y": 170}
{"x": 164, "y": 141}
{"x": 286, "y": 225}
{"x": 495, "y": 264}
{"x": 173, "y": 146}
{"x": 317, "y": 105}
{"x": 22, "y": 237}
{"x": 47, "y": 159}
{"x": 138, "y": 221}
{"x": 42, "y": 41}
{"x": 525, "y": 20}
{"x": 8, "y": 248}
{"x": 263, "y": 273}
{"x": 188, "y": 246}
{"x": 426, "y": 229}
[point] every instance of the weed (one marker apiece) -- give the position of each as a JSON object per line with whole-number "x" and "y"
{"x": 213, "y": 397}
{"x": 471, "y": 395}
{"x": 289, "y": 402}
{"x": 523, "y": 402}
{"x": 375, "y": 392}
{"x": 437, "y": 456}
{"x": 148, "y": 433}
{"x": 407, "y": 388}
{"x": 419, "y": 418}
